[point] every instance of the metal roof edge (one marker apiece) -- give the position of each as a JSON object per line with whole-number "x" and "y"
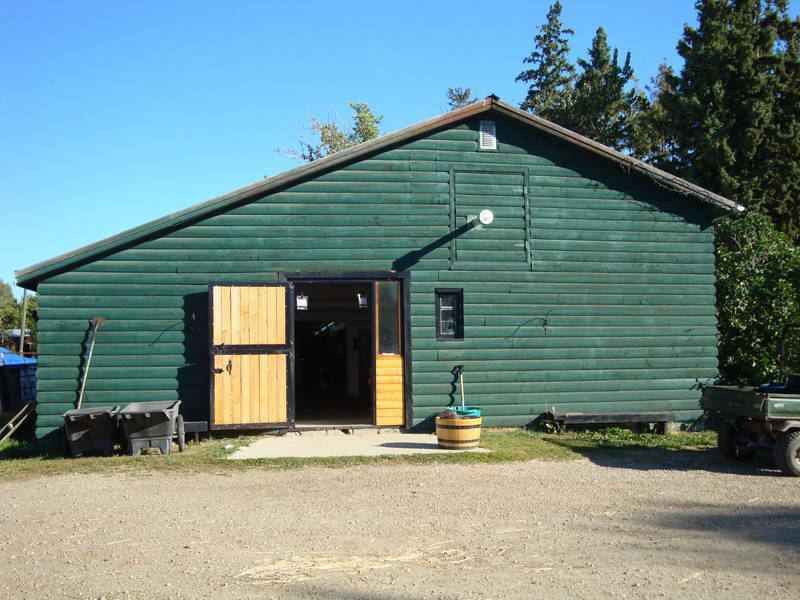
{"x": 29, "y": 276}
{"x": 41, "y": 269}
{"x": 676, "y": 183}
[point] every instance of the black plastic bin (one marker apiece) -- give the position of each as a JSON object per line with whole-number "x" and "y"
{"x": 150, "y": 425}
{"x": 91, "y": 429}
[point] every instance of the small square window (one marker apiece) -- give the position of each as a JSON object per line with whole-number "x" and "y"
{"x": 449, "y": 314}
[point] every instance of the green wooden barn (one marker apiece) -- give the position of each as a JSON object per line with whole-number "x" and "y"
{"x": 345, "y": 291}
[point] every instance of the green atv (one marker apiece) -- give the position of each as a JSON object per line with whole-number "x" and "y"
{"x": 762, "y": 418}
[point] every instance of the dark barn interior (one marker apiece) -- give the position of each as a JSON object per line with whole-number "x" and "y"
{"x": 333, "y": 353}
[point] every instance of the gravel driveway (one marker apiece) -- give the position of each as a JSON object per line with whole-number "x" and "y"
{"x": 517, "y": 530}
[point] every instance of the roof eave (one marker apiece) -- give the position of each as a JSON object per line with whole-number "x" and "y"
{"x": 676, "y": 183}
{"x": 29, "y": 277}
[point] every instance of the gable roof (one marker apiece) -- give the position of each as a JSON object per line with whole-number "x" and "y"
{"x": 30, "y": 276}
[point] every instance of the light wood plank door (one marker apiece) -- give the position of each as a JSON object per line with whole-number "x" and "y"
{"x": 389, "y": 365}
{"x": 389, "y": 392}
{"x": 250, "y": 355}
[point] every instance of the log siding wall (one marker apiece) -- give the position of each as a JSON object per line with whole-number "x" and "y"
{"x": 612, "y": 308}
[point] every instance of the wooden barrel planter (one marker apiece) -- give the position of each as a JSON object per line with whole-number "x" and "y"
{"x": 460, "y": 432}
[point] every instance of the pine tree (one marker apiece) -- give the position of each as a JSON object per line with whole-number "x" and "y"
{"x": 604, "y": 106}
{"x": 650, "y": 140}
{"x": 733, "y": 110}
{"x": 550, "y": 77}
{"x": 782, "y": 178}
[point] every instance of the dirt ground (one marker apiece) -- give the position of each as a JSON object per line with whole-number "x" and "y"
{"x": 611, "y": 528}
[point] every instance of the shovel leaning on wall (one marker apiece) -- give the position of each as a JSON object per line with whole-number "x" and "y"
{"x": 96, "y": 322}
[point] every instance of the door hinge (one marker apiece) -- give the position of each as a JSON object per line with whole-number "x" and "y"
{"x": 216, "y": 371}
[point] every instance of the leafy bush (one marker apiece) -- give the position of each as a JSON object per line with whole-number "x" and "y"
{"x": 10, "y": 312}
{"x": 758, "y": 294}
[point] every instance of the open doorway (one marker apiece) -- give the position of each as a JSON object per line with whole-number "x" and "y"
{"x": 333, "y": 329}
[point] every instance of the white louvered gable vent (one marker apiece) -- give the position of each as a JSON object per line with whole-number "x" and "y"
{"x": 488, "y": 136}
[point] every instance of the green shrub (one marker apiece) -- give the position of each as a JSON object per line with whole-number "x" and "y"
{"x": 758, "y": 294}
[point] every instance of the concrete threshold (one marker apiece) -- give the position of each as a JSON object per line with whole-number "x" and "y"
{"x": 334, "y": 442}
{"x": 343, "y": 428}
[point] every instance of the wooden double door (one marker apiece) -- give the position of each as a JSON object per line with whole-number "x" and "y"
{"x": 252, "y": 355}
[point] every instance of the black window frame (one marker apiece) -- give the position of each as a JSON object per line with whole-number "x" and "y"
{"x": 458, "y": 330}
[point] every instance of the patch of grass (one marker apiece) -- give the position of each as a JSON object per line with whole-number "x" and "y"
{"x": 622, "y": 444}
{"x": 12, "y": 448}
{"x": 16, "y": 460}
{"x": 617, "y": 437}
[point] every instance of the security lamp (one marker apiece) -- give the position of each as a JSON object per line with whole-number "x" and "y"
{"x": 485, "y": 217}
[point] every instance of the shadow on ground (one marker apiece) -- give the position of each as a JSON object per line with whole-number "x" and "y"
{"x": 644, "y": 458}
{"x": 773, "y": 525}
{"x": 330, "y": 591}
{"x": 413, "y": 445}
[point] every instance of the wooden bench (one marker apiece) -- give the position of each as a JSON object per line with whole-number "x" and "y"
{"x": 196, "y": 428}
{"x": 600, "y": 418}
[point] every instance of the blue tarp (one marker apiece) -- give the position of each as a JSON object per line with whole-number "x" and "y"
{"x": 9, "y": 358}
{"x": 17, "y": 380}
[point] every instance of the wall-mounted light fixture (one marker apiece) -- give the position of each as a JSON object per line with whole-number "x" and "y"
{"x": 302, "y": 302}
{"x": 485, "y": 217}
{"x": 362, "y": 301}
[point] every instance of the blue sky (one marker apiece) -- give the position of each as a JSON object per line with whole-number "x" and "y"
{"x": 116, "y": 113}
